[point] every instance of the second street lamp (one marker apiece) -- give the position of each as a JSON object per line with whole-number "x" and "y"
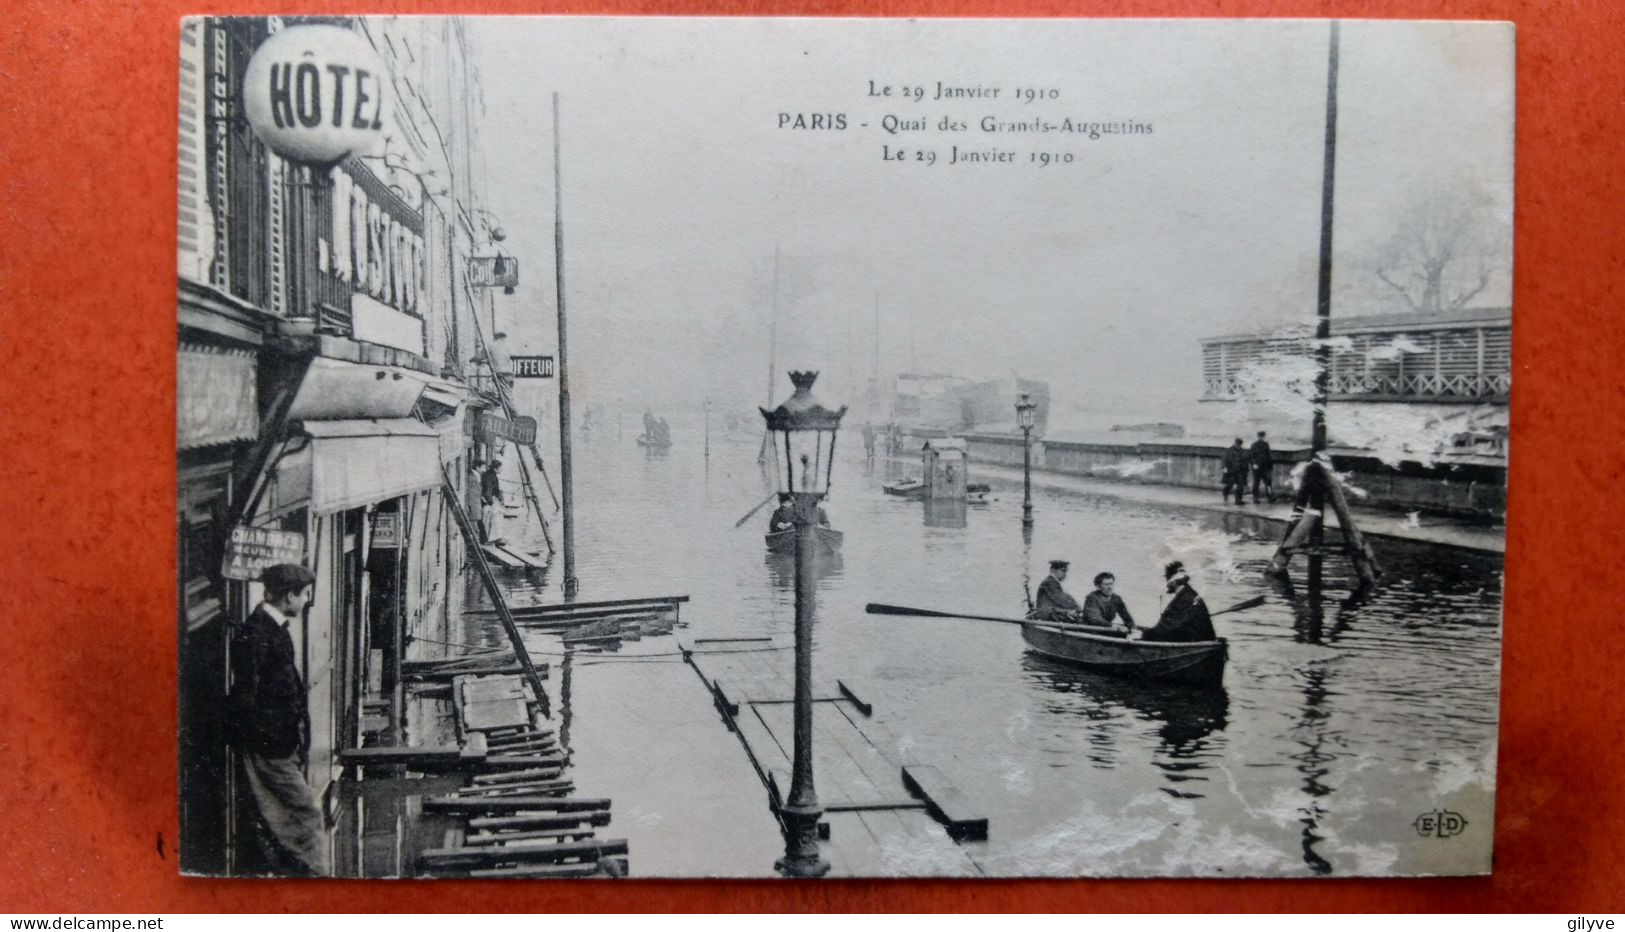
{"x": 1026, "y": 408}
{"x": 800, "y": 426}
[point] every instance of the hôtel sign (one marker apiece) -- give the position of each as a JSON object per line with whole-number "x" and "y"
{"x": 316, "y": 94}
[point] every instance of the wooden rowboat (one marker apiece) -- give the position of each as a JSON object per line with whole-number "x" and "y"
{"x": 1198, "y": 663}
{"x": 904, "y": 487}
{"x": 784, "y": 542}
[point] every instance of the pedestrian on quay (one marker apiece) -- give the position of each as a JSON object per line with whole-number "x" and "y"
{"x": 490, "y": 498}
{"x": 1263, "y": 462}
{"x": 269, "y": 720}
{"x": 1105, "y": 608}
{"x": 868, "y": 441}
{"x": 1185, "y": 618}
{"x": 1234, "y": 466}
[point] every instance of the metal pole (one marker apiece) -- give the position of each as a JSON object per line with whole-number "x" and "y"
{"x": 566, "y": 476}
{"x": 1323, "y": 328}
{"x": 1026, "y": 476}
{"x": 801, "y": 812}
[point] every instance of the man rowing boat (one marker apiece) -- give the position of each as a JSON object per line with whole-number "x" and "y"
{"x": 1105, "y": 608}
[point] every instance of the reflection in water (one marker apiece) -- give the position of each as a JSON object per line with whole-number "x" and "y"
{"x": 1190, "y": 721}
{"x": 1314, "y": 762}
{"x": 945, "y": 514}
{"x": 827, "y": 567}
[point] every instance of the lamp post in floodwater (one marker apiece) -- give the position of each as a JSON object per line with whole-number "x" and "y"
{"x": 798, "y": 424}
{"x": 1026, "y": 408}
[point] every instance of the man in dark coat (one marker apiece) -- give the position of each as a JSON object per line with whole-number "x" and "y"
{"x": 1185, "y": 618}
{"x": 270, "y": 727}
{"x": 1054, "y": 604}
{"x": 1263, "y": 466}
{"x": 490, "y": 498}
{"x": 1105, "y": 608}
{"x": 1234, "y": 466}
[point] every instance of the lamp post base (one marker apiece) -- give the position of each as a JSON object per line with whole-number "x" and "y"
{"x": 801, "y": 855}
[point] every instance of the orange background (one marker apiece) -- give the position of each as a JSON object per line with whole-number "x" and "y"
{"x": 87, "y": 301}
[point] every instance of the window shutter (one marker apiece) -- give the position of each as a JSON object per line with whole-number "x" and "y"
{"x": 196, "y": 219}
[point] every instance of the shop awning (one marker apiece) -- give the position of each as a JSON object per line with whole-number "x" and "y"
{"x": 335, "y": 389}
{"x": 357, "y": 462}
{"x": 448, "y": 394}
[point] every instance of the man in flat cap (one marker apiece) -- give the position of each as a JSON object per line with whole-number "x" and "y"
{"x": 1054, "y": 604}
{"x": 1185, "y": 618}
{"x": 270, "y": 725}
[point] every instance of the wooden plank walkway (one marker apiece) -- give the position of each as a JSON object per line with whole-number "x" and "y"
{"x": 514, "y": 817}
{"x": 885, "y": 819}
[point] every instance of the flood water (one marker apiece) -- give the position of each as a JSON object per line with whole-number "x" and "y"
{"x": 1334, "y": 730}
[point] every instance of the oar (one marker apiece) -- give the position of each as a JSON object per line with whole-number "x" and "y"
{"x": 752, "y": 513}
{"x": 1253, "y": 602}
{"x": 878, "y": 608}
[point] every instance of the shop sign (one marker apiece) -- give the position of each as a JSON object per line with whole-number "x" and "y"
{"x": 315, "y": 94}
{"x": 386, "y": 529}
{"x": 533, "y": 367}
{"x": 493, "y": 271}
{"x": 489, "y": 427}
{"x": 250, "y": 550}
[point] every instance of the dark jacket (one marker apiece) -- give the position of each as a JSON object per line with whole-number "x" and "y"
{"x": 1260, "y": 454}
{"x": 1099, "y": 609}
{"x": 1053, "y": 601}
{"x": 1184, "y": 619}
{"x": 1235, "y": 461}
{"x": 268, "y": 705}
{"x": 490, "y": 487}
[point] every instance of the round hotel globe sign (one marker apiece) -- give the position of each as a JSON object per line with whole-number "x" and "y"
{"x": 315, "y": 94}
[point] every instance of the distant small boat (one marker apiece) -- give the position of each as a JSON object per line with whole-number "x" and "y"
{"x": 904, "y": 487}
{"x": 976, "y": 497}
{"x": 784, "y": 542}
{"x": 1199, "y": 663}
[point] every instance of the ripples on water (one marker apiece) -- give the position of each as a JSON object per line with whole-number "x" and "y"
{"x": 1333, "y": 731}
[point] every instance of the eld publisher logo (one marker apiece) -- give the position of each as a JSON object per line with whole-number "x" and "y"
{"x": 1440, "y": 824}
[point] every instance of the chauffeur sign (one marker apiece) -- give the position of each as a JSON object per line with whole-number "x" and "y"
{"x": 315, "y": 94}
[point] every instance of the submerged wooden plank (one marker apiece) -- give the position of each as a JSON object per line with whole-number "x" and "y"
{"x": 513, "y": 804}
{"x": 497, "y": 554}
{"x": 524, "y": 852}
{"x": 944, "y": 801}
{"x": 538, "y": 820}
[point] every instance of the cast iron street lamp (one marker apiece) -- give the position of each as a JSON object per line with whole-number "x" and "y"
{"x": 799, "y": 425}
{"x": 1025, "y": 409}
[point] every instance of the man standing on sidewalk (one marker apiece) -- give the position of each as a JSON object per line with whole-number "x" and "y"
{"x": 1263, "y": 466}
{"x": 1234, "y": 466}
{"x": 270, "y": 726}
{"x": 491, "y": 498}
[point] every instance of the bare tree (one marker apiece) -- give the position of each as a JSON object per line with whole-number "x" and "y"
{"x": 1446, "y": 250}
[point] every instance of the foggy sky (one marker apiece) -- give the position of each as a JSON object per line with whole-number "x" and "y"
{"x": 1098, "y": 276}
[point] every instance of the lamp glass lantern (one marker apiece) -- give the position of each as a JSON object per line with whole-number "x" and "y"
{"x": 804, "y": 429}
{"x": 1026, "y": 411}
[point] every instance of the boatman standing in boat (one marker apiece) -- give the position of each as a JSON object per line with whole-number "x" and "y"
{"x": 1054, "y": 604}
{"x": 1105, "y": 608}
{"x": 1185, "y": 619}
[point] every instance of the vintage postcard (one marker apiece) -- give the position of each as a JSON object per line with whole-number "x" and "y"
{"x": 882, "y": 448}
